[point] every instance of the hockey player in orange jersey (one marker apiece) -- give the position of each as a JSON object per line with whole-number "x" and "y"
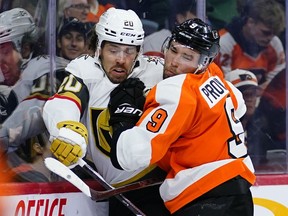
{"x": 190, "y": 127}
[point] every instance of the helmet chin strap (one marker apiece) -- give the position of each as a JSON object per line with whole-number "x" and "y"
{"x": 135, "y": 60}
{"x": 204, "y": 62}
{"x": 201, "y": 69}
{"x": 98, "y": 48}
{"x": 198, "y": 69}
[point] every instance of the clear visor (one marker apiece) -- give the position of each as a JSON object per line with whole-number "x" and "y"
{"x": 121, "y": 51}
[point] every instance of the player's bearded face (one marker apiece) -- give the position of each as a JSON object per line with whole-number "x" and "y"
{"x": 180, "y": 59}
{"x": 117, "y": 60}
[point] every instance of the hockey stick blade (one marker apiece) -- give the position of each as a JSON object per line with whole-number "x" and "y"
{"x": 60, "y": 169}
{"x": 126, "y": 202}
{"x": 63, "y": 171}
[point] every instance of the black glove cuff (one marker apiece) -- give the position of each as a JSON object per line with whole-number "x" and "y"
{"x": 117, "y": 130}
{"x": 122, "y": 126}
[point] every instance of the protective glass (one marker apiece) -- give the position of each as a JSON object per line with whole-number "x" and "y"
{"x": 118, "y": 51}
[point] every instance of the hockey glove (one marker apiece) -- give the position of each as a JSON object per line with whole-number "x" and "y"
{"x": 126, "y": 102}
{"x": 71, "y": 142}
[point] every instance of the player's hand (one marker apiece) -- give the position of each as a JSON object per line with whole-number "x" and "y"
{"x": 126, "y": 102}
{"x": 71, "y": 142}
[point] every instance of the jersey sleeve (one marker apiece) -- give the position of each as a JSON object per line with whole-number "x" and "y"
{"x": 8, "y": 102}
{"x": 70, "y": 101}
{"x": 163, "y": 121}
{"x": 239, "y": 100}
{"x": 25, "y": 122}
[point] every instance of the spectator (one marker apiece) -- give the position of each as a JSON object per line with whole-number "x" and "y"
{"x": 269, "y": 143}
{"x": 77, "y": 9}
{"x": 72, "y": 39}
{"x": 70, "y": 9}
{"x": 83, "y": 104}
{"x": 96, "y": 10}
{"x": 273, "y": 105}
{"x": 264, "y": 124}
{"x": 181, "y": 11}
{"x": 190, "y": 126}
{"x": 251, "y": 42}
{"x": 247, "y": 83}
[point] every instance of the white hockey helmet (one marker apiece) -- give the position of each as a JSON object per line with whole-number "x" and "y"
{"x": 14, "y": 24}
{"x": 120, "y": 26}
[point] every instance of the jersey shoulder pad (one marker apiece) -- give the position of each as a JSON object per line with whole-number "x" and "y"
{"x": 155, "y": 66}
{"x": 169, "y": 90}
{"x": 41, "y": 65}
{"x": 84, "y": 67}
{"x": 149, "y": 64}
{"x": 149, "y": 72}
{"x": 36, "y": 67}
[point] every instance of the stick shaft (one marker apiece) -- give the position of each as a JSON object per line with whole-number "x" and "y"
{"x": 89, "y": 170}
{"x": 100, "y": 195}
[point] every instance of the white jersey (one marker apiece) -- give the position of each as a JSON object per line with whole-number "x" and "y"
{"x": 34, "y": 69}
{"x": 31, "y": 92}
{"x": 91, "y": 88}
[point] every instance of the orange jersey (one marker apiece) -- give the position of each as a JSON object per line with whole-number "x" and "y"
{"x": 237, "y": 52}
{"x": 191, "y": 128}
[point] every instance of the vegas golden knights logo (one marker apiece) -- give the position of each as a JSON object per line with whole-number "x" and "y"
{"x": 101, "y": 130}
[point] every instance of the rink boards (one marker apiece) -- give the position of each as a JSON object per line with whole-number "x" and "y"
{"x": 270, "y": 194}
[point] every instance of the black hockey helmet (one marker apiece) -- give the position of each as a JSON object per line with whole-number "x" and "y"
{"x": 199, "y": 36}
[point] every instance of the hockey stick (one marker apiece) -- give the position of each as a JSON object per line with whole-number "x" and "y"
{"x": 97, "y": 195}
{"x": 63, "y": 171}
{"x": 111, "y": 191}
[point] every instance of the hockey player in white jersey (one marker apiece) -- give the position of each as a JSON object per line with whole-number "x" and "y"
{"x": 33, "y": 88}
{"x": 76, "y": 116}
{"x": 14, "y": 25}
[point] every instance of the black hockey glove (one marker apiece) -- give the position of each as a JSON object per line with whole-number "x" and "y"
{"x": 126, "y": 103}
